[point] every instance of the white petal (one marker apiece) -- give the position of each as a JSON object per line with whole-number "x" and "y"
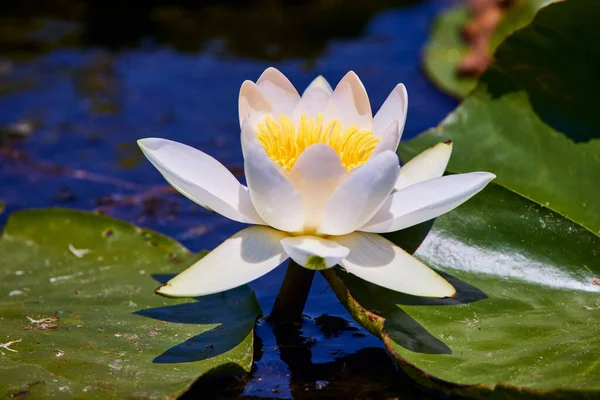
{"x": 426, "y": 200}
{"x": 201, "y": 178}
{"x": 252, "y": 101}
{"x": 351, "y": 103}
{"x": 356, "y": 200}
{"x": 275, "y": 198}
{"x": 321, "y": 83}
{"x": 279, "y": 91}
{"x": 316, "y": 174}
{"x": 427, "y": 165}
{"x": 393, "y": 109}
{"x": 244, "y": 257}
{"x": 390, "y": 139}
{"x": 315, "y": 100}
{"x": 377, "y": 260}
{"x": 313, "y": 252}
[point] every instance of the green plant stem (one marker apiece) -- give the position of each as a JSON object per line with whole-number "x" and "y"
{"x": 292, "y": 295}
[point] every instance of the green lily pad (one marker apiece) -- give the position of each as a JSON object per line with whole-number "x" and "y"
{"x": 446, "y": 46}
{"x": 534, "y": 119}
{"x": 79, "y": 307}
{"x": 525, "y": 320}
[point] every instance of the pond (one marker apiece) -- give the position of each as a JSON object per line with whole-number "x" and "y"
{"x": 79, "y": 84}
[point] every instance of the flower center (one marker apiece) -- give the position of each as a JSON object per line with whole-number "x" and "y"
{"x": 284, "y": 143}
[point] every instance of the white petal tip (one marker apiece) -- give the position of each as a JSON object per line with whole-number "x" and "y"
{"x": 393, "y": 108}
{"x": 478, "y": 178}
{"x": 432, "y": 286}
{"x": 168, "y": 290}
{"x": 270, "y": 70}
{"x": 401, "y": 88}
{"x": 444, "y": 292}
{"x": 401, "y": 91}
{"x": 321, "y": 83}
{"x": 150, "y": 143}
{"x": 352, "y": 78}
{"x": 251, "y": 100}
{"x": 487, "y": 176}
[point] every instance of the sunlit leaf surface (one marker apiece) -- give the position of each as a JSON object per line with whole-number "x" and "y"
{"x": 534, "y": 121}
{"x": 526, "y": 310}
{"x": 79, "y": 316}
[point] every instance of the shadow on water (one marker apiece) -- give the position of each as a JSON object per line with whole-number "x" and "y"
{"x": 233, "y": 324}
{"x": 266, "y": 29}
{"x": 400, "y": 326}
{"x": 225, "y": 382}
{"x": 367, "y": 374}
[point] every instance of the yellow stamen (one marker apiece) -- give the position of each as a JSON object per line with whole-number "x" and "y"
{"x": 284, "y": 143}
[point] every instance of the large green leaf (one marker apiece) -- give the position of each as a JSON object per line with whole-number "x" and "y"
{"x": 79, "y": 307}
{"x": 446, "y": 46}
{"x": 534, "y": 119}
{"x": 525, "y": 320}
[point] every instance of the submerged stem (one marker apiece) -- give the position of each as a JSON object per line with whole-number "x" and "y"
{"x": 292, "y": 295}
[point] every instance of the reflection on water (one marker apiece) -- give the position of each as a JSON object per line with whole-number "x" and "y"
{"x": 269, "y": 29}
{"x": 71, "y": 109}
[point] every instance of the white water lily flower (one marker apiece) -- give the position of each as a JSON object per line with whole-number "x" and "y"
{"x": 323, "y": 179}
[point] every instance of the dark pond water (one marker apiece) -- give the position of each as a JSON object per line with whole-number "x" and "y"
{"x": 83, "y": 81}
